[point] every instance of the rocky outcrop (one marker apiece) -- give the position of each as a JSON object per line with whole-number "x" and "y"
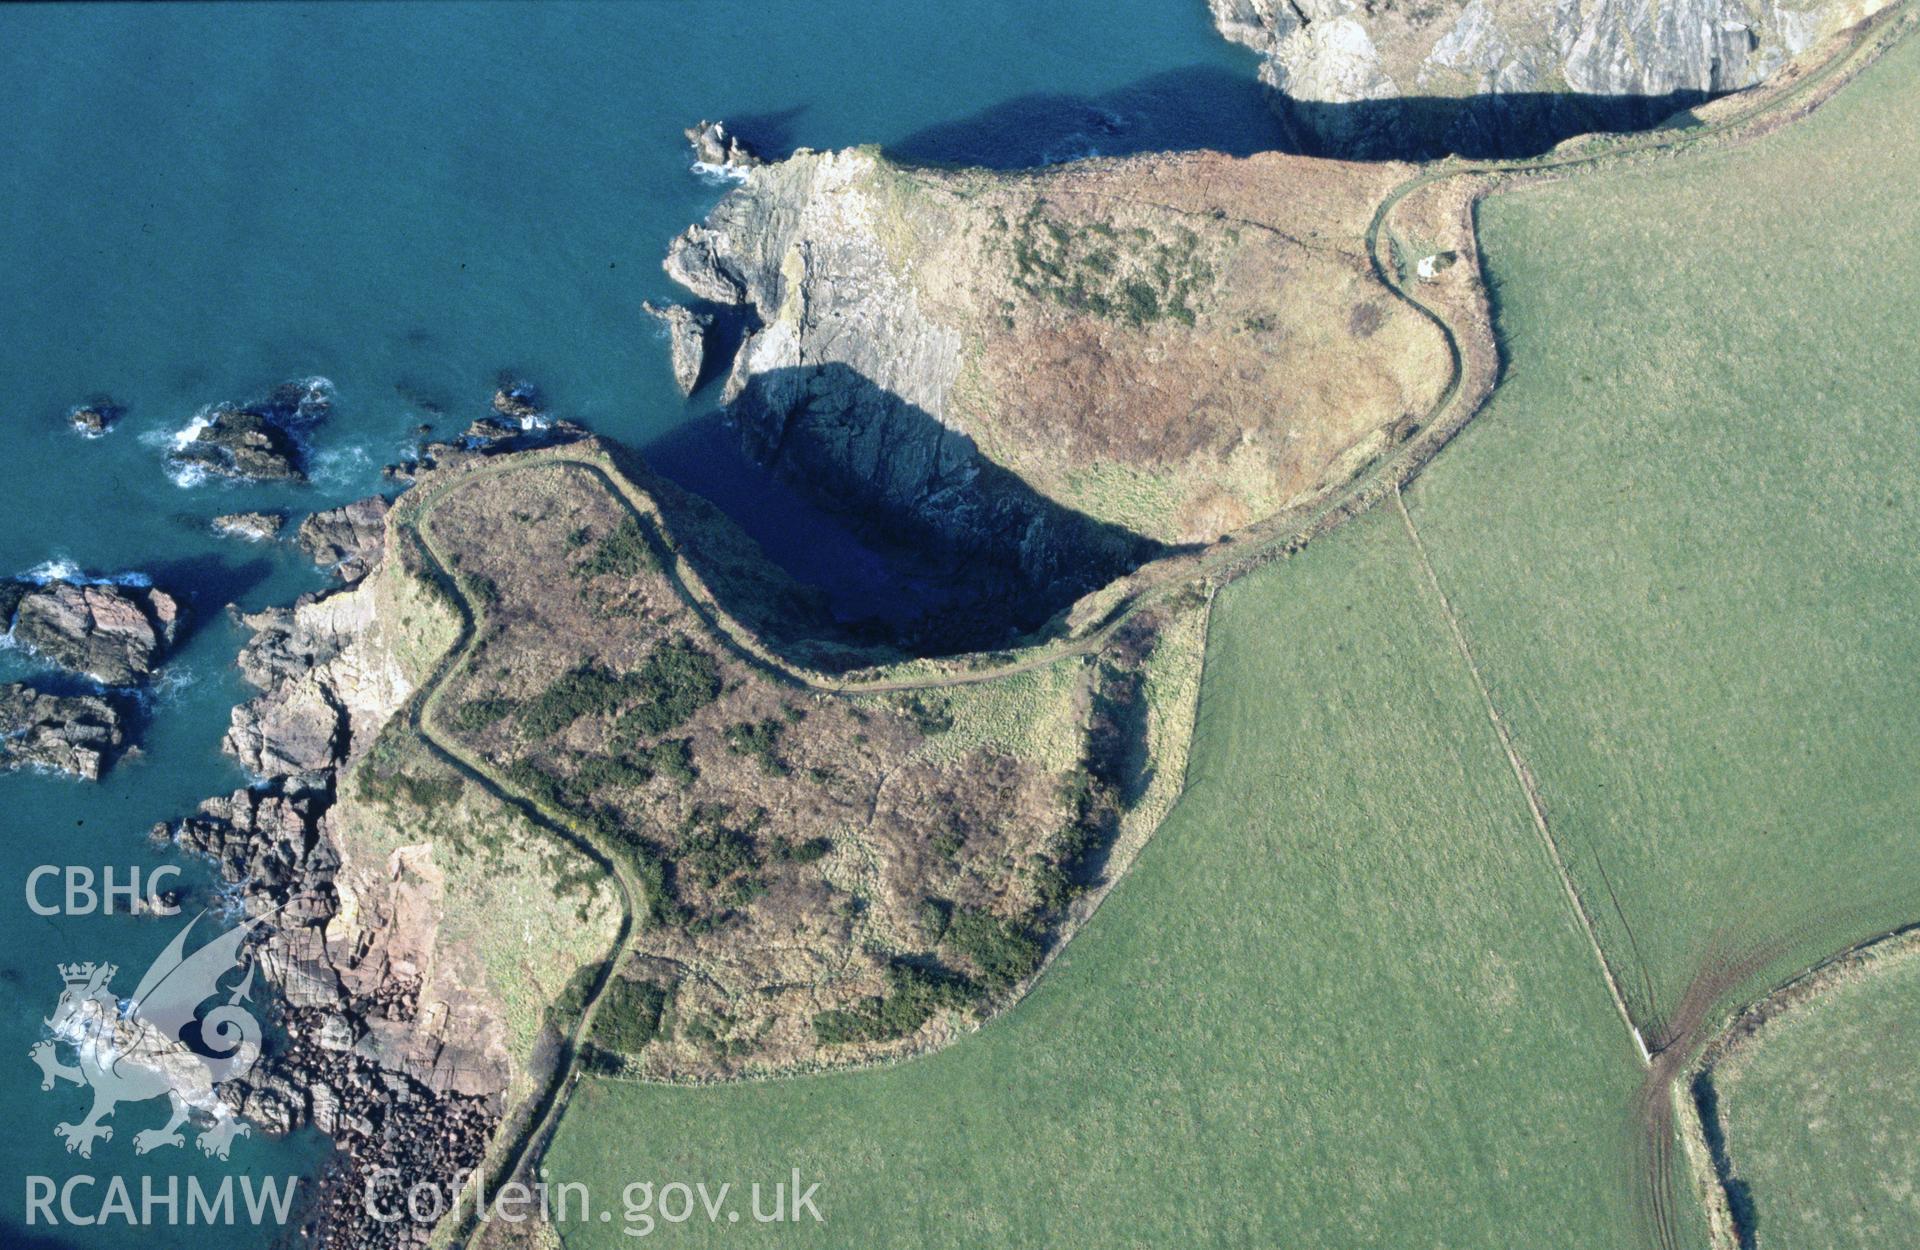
{"x": 686, "y": 340}
{"x": 1492, "y": 77}
{"x": 240, "y": 444}
{"x": 114, "y": 634}
{"x": 718, "y": 149}
{"x": 66, "y": 733}
{"x": 95, "y": 417}
{"x": 518, "y": 400}
{"x": 347, "y": 540}
{"x": 258, "y": 442}
{"x": 258, "y": 527}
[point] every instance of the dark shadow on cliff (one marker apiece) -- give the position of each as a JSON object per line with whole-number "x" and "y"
{"x": 205, "y": 584}
{"x": 1487, "y": 127}
{"x": 970, "y": 558}
{"x": 1207, "y": 107}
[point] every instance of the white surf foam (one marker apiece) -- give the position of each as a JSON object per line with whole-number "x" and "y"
{"x": 719, "y": 174}
{"x": 61, "y": 569}
{"x": 341, "y": 466}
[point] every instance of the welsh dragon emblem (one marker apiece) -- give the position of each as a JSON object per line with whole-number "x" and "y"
{"x": 156, "y": 1043}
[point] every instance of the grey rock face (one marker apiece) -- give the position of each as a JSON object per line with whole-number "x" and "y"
{"x": 1367, "y": 79}
{"x": 326, "y": 689}
{"x": 113, "y": 634}
{"x": 686, "y": 339}
{"x": 67, "y": 733}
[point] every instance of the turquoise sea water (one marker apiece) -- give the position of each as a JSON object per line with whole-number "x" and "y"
{"x": 201, "y": 202}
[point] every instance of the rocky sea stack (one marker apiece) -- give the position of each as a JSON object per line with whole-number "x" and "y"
{"x": 686, "y": 339}
{"x": 260, "y": 442}
{"x": 96, "y": 417}
{"x": 719, "y": 149}
{"x": 111, "y": 633}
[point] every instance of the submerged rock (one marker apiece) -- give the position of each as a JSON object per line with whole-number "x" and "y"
{"x": 113, "y": 634}
{"x": 687, "y": 338}
{"x": 347, "y": 539}
{"x": 69, "y": 733}
{"x": 96, "y": 416}
{"x": 717, "y": 148}
{"x": 252, "y": 526}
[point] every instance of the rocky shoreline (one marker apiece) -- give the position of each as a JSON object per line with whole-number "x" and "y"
{"x": 356, "y": 1066}
{"x": 407, "y": 1093}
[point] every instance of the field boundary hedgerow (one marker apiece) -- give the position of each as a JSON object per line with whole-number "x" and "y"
{"x": 1706, "y": 1130}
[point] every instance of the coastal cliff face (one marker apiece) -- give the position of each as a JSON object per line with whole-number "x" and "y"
{"x": 1054, "y": 366}
{"x": 1492, "y": 77}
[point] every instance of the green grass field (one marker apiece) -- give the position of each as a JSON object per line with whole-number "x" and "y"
{"x": 1339, "y": 1001}
{"x": 1685, "y": 536}
{"x": 1820, "y": 1110}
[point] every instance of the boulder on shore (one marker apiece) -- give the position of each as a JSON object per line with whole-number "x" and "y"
{"x": 113, "y": 634}
{"x": 347, "y": 539}
{"x": 70, "y": 733}
{"x": 255, "y": 527}
{"x": 687, "y": 338}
